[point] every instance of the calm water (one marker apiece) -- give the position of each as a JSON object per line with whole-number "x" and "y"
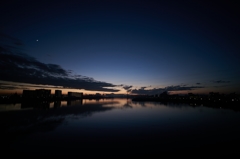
{"x": 117, "y": 127}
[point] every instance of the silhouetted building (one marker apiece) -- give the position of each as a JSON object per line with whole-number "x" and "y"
{"x": 58, "y": 93}
{"x": 43, "y": 93}
{"x": 75, "y": 95}
{"x": 28, "y": 94}
{"x": 38, "y": 93}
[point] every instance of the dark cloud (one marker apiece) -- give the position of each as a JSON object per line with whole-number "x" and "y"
{"x": 19, "y": 67}
{"x": 13, "y": 86}
{"x": 183, "y": 85}
{"x": 220, "y": 81}
{"x": 181, "y": 88}
{"x": 8, "y": 87}
{"x": 6, "y": 39}
{"x": 127, "y": 88}
{"x": 160, "y": 90}
{"x": 149, "y": 91}
{"x": 198, "y": 83}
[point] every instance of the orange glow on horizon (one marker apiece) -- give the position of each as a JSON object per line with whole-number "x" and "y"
{"x": 15, "y": 87}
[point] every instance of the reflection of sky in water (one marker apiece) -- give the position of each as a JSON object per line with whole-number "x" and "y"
{"x": 9, "y": 107}
{"x": 120, "y": 122}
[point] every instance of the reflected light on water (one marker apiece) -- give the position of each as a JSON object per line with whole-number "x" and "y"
{"x": 107, "y": 126}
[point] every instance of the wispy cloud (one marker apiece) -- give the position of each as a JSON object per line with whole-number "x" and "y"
{"x": 142, "y": 90}
{"x": 127, "y": 87}
{"x": 19, "y": 67}
{"x": 7, "y": 86}
{"x": 220, "y": 81}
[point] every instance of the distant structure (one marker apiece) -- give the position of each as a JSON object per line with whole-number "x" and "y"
{"x": 75, "y": 95}
{"x": 58, "y": 93}
{"x": 36, "y": 94}
{"x": 28, "y": 94}
{"x": 43, "y": 93}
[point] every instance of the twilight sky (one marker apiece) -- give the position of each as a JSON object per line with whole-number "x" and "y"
{"x": 143, "y": 47}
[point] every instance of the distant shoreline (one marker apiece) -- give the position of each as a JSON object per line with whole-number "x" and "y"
{"x": 20, "y": 100}
{"x": 208, "y": 102}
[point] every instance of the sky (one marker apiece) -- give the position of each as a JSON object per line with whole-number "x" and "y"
{"x": 134, "y": 47}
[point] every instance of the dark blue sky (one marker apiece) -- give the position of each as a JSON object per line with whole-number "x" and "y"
{"x": 139, "y": 46}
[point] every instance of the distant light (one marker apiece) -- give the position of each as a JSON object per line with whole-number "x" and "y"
{"x": 37, "y": 40}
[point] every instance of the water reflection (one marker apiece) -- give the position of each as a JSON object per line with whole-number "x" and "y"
{"x": 37, "y": 105}
{"x": 9, "y": 107}
{"x": 57, "y": 104}
{"x": 116, "y": 103}
{"x": 107, "y": 127}
{"x": 38, "y": 113}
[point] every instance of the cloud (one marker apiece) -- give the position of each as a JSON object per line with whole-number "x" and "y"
{"x": 149, "y": 91}
{"x": 160, "y": 90}
{"x": 5, "y": 85}
{"x": 6, "y": 39}
{"x": 8, "y": 87}
{"x": 220, "y": 81}
{"x": 198, "y": 83}
{"x": 181, "y": 88}
{"x": 16, "y": 66}
{"x": 127, "y": 88}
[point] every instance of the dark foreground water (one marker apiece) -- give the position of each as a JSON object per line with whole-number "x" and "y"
{"x": 117, "y": 127}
